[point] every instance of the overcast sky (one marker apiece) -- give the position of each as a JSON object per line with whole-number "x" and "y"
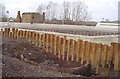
{"x": 99, "y": 9}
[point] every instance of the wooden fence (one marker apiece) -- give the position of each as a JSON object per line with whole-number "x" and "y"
{"x": 71, "y": 50}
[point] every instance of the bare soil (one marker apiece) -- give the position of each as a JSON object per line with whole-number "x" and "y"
{"x": 20, "y": 58}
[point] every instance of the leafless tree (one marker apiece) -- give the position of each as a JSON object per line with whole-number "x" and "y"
{"x": 76, "y": 11}
{"x": 2, "y": 11}
{"x": 73, "y": 11}
{"x": 40, "y": 8}
{"x": 50, "y": 10}
{"x": 66, "y": 10}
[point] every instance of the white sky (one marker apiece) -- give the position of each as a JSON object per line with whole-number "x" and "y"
{"x": 99, "y": 9}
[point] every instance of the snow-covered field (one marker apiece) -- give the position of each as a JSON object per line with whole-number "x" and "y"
{"x": 106, "y": 39}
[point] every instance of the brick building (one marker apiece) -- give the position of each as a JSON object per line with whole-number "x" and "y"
{"x": 31, "y": 17}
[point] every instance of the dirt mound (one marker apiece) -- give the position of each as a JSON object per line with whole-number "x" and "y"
{"x": 21, "y": 58}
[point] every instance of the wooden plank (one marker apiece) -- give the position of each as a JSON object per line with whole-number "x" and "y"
{"x": 43, "y": 41}
{"x": 104, "y": 55}
{"x": 68, "y": 49}
{"x": 29, "y": 36}
{"x": 97, "y": 57}
{"x": 51, "y": 43}
{"x": 87, "y": 51}
{"x": 16, "y": 30}
{"x": 92, "y": 54}
{"x": 40, "y": 40}
{"x": 109, "y": 54}
{"x": 18, "y": 34}
{"x": 80, "y": 45}
{"x": 116, "y": 51}
{"x": 47, "y": 40}
{"x": 55, "y": 45}
{"x": 37, "y": 40}
{"x": 63, "y": 48}
{"x": 82, "y": 51}
{"x": 33, "y": 37}
{"x": 13, "y": 29}
{"x": 59, "y": 47}
{"x": 72, "y": 50}
{"x": 77, "y": 50}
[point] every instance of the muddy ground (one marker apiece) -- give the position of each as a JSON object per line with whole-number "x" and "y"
{"x": 20, "y": 58}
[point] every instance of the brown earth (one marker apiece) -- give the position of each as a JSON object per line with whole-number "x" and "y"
{"x": 20, "y": 58}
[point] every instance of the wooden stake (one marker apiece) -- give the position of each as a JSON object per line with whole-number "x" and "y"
{"x": 37, "y": 39}
{"x": 72, "y": 50}
{"x": 51, "y": 43}
{"x": 55, "y": 45}
{"x": 68, "y": 49}
{"x": 87, "y": 51}
{"x": 97, "y": 57}
{"x": 40, "y": 40}
{"x": 116, "y": 51}
{"x": 109, "y": 54}
{"x": 92, "y": 54}
{"x": 82, "y": 51}
{"x": 63, "y": 48}
{"x": 59, "y": 47}
{"x": 33, "y": 37}
{"x": 77, "y": 45}
{"x": 104, "y": 55}
{"x": 47, "y": 42}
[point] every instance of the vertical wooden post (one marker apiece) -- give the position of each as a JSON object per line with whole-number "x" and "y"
{"x": 43, "y": 40}
{"x": 77, "y": 50}
{"x": 80, "y": 45}
{"x": 33, "y": 37}
{"x": 5, "y": 32}
{"x": 59, "y": 47}
{"x": 40, "y": 40}
{"x": 68, "y": 49}
{"x": 13, "y": 30}
{"x": 104, "y": 55}
{"x": 18, "y": 34}
{"x": 29, "y": 36}
{"x": 87, "y": 52}
{"x": 21, "y": 33}
{"x": 47, "y": 42}
{"x": 8, "y": 30}
{"x": 82, "y": 50}
{"x": 55, "y": 45}
{"x": 72, "y": 51}
{"x": 92, "y": 54}
{"x": 109, "y": 54}
{"x": 63, "y": 48}
{"x": 57, "y": 38}
{"x": 51, "y": 43}
{"x": 116, "y": 51}
{"x": 10, "y": 34}
{"x": 97, "y": 57}
{"x": 37, "y": 39}
{"x": 16, "y": 30}
{"x": 24, "y": 33}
